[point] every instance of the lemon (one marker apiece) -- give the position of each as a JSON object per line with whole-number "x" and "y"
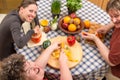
{"x": 66, "y": 19}
{"x": 72, "y": 27}
{"x": 44, "y": 22}
{"x": 62, "y": 45}
{"x": 56, "y": 53}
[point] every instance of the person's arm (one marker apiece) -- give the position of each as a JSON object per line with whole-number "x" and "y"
{"x": 104, "y": 29}
{"x": 44, "y": 56}
{"x": 104, "y": 51}
{"x": 19, "y": 38}
{"x": 65, "y": 73}
{"x": 111, "y": 25}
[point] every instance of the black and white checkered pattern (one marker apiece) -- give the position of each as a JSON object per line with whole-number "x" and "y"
{"x": 92, "y": 65}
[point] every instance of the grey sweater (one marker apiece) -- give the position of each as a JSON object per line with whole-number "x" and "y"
{"x": 10, "y": 33}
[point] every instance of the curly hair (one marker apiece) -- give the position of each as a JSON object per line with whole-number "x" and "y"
{"x": 12, "y": 68}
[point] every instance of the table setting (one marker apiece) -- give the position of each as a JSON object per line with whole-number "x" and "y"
{"x": 86, "y": 62}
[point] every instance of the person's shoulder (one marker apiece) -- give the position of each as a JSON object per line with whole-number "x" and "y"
{"x": 10, "y": 17}
{"x": 13, "y": 12}
{"x": 13, "y": 16}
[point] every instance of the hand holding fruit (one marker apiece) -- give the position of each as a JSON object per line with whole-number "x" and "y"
{"x": 63, "y": 58}
{"x": 36, "y": 37}
{"x": 103, "y": 30}
{"x": 88, "y": 36}
{"x": 37, "y": 29}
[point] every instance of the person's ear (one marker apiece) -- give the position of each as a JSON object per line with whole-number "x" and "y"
{"x": 21, "y": 9}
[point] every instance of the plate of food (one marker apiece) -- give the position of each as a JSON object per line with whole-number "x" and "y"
{"x": 71, "y": 24}
{"x": 36, "y": 39}
{"x": 74, "y": 53}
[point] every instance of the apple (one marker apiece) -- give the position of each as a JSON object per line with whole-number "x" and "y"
{"x": 73, "y": 15}
{"x": 65, "y": 25}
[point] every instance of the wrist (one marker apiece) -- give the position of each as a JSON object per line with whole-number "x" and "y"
{"x": 109, "y": 26}
{"x": 50, "y": 48}
{"x": 62, "y": 63}
{"x": 96, "y": 39}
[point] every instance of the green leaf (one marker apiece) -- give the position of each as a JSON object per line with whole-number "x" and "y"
{"x": 74, "y": 5}
{"x": 54, "y": 20}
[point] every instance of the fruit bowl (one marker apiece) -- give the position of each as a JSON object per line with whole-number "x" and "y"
{"x": 71, "y": 25}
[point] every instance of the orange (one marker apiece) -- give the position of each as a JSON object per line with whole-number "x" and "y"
{"x": 72, "y": 27}
{"x": 87, "y": 23}
{"x": 66, "y": 19}
{"x": 76, "y": 21}
{"x": 44, "y": 22}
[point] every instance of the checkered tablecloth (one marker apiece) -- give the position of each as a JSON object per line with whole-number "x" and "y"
{"x": 92, "y": 66}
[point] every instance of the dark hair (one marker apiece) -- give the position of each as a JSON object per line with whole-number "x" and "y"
{"x": 113, "y": 4}
{"x": 26, "y": 3}
{"x": 12, "y": 68}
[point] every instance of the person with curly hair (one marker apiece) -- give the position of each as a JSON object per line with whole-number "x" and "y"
{"x": 12, "y": 68}
{"x": 15, "y": 67}
{"x": 11, "y": 25}
{"x": 111, "y": 55}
